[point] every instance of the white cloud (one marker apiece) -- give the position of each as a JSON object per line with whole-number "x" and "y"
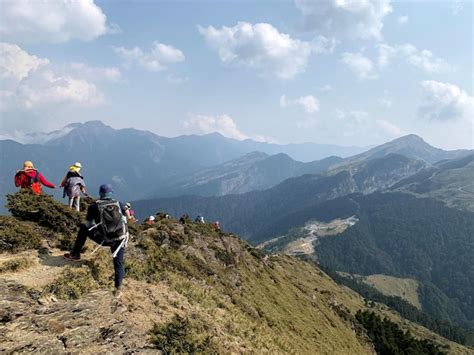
{"x": 422, "y": 59}
{"x": 33, "y": 21}
{"x": 29, "y": 82}
{"x": 94, "y": 73}
{"x": 16, "y": 64}
{"x": 352, "y": 18}
{"x": 360, "y": 65}
{"x": 389, "y": 128}
{"x": 156, "y": 59}
{"x": 262, "y": 47}
{"x": 45, "y": 88}
{"x": 223, "y": 124}
{"x": 445, "y": 102}
{"x": 308, "y": 103}
{"x": 321, "y": 44}
{"x": 402, "y": 20}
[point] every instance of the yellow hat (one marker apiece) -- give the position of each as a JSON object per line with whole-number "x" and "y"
{"x": 28, "y": 165}
{"x": 75, "y": 167}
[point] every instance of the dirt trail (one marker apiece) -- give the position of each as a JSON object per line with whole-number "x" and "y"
{"x": 45, "y": 268}
{"x": 49, "y": 325}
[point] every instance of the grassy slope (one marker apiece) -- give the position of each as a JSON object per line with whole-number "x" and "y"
{"x": 234, "y": 299}
{"x": 406, "y": 289}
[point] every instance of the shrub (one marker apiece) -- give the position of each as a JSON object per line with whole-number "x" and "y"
{"x": 44, "y": 210}
{"x": 16, "y": 264}
{"x": 73, "y": 283}
{"x": 16, "y": 236}
{"x": 180, "y": 335}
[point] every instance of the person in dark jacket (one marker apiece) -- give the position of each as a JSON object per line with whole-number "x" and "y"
{"x": 90, "y": 229}
{"x": 73, "y": 184}
{"x": 28, "y": 175}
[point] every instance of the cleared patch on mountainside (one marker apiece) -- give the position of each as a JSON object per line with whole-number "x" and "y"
{"x": 300, "y": 241}
{"x": 406, "y": 289}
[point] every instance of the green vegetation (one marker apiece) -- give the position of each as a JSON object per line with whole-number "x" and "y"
{"x": 388, "y": 338}
{"x": 451, "y": 181}
{"x": 72, "y": 284}
{"x": 17, "y": 236}
{"x": 406, "y": 310}
{"x": 406, "y": 289}
{"x": 182, "y": 336}
{"x": 422, "y": 239}
{"x": 44, "y": 210}
{"x": 16, "y": 264}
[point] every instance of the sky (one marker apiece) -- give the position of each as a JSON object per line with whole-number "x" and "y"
{"x": 345, "y": 72}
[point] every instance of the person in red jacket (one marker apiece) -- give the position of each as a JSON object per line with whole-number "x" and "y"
{"x": 30, "y": 178}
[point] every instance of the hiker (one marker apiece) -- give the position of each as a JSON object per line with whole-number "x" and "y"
{"x": 199, "y": 219}
{"x": 106, "y": 225}
{"x": 129, "y": 213}
{"x": 150, "y": 220}
{"x": 73, "y": 184}
{"x": 30, "y": 178}
{"x": 183, "y": 219}
{"x": 217, "y": 225}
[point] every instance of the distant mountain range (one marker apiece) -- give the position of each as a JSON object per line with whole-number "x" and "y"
{"x": 258, "y": 171}
{"x": 378, "y": 169}
{"x": 139, "y": 163}
{"x": 250, "y": 214}
{"x": 253, "y": 171}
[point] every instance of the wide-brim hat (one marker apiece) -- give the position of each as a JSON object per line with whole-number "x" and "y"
{"x": 28, "y": 165}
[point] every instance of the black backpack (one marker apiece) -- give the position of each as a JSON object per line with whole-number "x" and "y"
{"x": 112, "y": 223}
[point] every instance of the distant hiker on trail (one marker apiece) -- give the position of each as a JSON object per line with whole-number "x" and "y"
{"x": 183, "y": 219}
{"x": 106, "y": 225}
{"x": 73, "y": 184}
{"x": 130, "y": 213}
{"x": 199, "y": 219}
{"x": 217, "y": 225}
{"x": 30, "y": 178}
{"x": 150, "y": 220}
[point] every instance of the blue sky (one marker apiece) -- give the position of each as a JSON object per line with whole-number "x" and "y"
{"x": 327, "y": 71}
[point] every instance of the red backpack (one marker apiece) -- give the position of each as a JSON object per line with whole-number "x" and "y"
{"x": 22, "y": 179}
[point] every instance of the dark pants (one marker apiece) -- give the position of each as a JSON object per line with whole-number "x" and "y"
{"x": 118, "y": 260}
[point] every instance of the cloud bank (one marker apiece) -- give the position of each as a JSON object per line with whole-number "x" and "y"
{"x": 32, "y": 21}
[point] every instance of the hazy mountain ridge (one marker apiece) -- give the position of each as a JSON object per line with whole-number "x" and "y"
{"x": 254, "y": 171}
{"x": 411, "y": 146}
{"x": 138, "y": 163}
{"x": 236, "y": 177}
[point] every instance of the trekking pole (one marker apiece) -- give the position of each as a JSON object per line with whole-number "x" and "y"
{"x": 120, "y": 247}
{"x": 97, "y": 248}
{"x": 94, "y": 226}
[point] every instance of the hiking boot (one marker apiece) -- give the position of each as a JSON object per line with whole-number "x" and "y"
{"x": 72, "y": 257}
{"x": 117, "y": 293}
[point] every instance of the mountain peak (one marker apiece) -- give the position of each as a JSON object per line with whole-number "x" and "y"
{"x": 409, "y": 139}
